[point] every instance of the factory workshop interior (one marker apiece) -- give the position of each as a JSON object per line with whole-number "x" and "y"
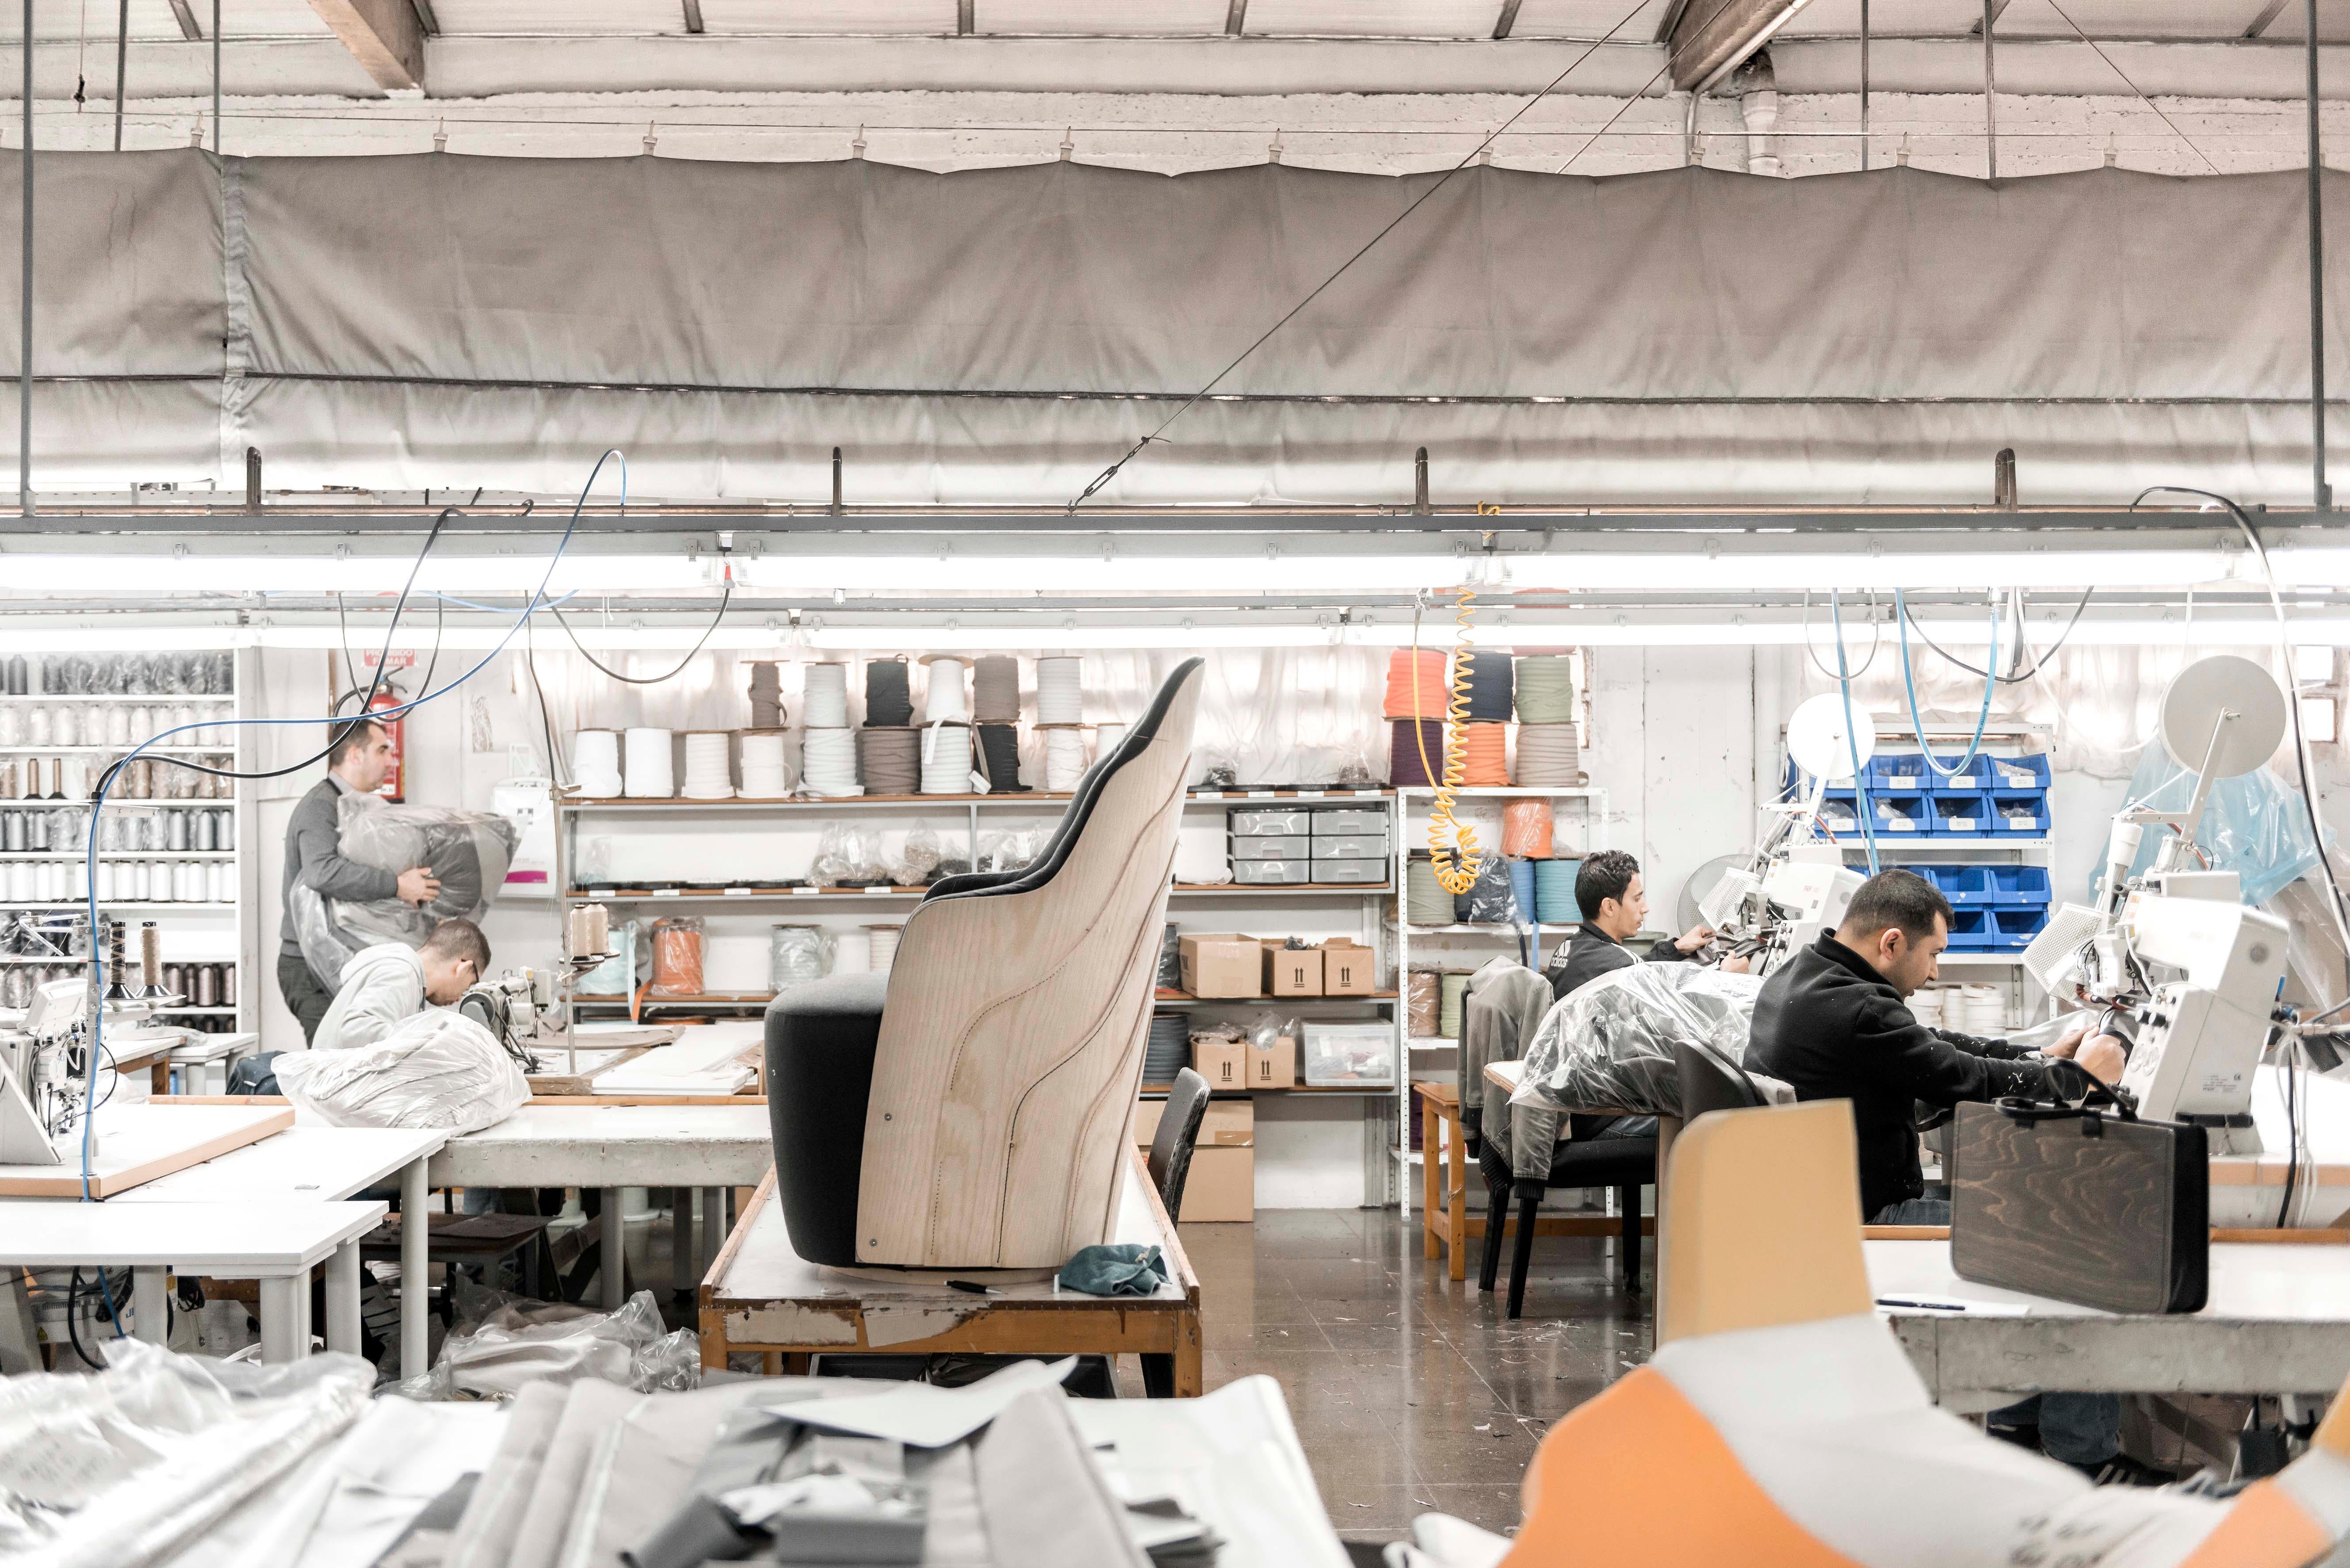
{"x": 1204, "y": 783}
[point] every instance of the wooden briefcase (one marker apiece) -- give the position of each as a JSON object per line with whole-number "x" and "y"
{"x": 2083, "y": 1204}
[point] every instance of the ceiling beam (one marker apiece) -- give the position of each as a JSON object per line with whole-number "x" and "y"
{"x": 693, "y": 16}
{"x": 2268, "y": 14}
{"x": 383, "y": 35}
{"x": 1507, "y": 19}
{"x": 1709, "y": 43}
{"x": 186, "y": 16}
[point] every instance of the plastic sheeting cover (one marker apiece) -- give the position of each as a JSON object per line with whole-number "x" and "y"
{"x": 2255, "y": 825}
{"x": 517, "y": 1343}
{"x": 439, "y": 1069}
{"x": 1611, "y": 1042}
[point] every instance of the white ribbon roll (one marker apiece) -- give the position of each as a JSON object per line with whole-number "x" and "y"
{"x": 947, "y": 697}
{"x": 649, "y": 771}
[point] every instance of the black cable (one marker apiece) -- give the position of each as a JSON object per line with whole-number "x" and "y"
{"x": 725, "y": 596}
{"x": 73, "y": 1322}
{"x": 2039, "y": 660}
{"x": 545, "y": 718}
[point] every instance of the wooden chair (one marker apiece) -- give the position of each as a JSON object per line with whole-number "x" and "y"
{"x": 970, "y": 1111}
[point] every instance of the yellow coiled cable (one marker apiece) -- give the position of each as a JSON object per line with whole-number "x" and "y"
{"x": 1453, "y": 879}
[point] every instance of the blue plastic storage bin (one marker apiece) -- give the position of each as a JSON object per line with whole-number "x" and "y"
{"x": 1899, "y": 815}
{"x": 1962, "y": 885}
{"x": 2020, "y": 811}
{"x": 1896, "y": 773}
{"x": 2011, "y": 931}
{"x": 1971, "y": 931}
{"x": 1976, "y": 775}
{"x": 2020, "y": 772}
{"x": 2019, "y": 886}
{"x": 1839, "y": 808}
{"x": 1959, "y": 814}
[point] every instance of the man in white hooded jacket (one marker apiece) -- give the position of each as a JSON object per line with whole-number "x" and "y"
{"x": 385, "y": 985}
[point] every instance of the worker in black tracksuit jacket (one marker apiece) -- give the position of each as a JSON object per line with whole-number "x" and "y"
{"x": 1615, "y": 905}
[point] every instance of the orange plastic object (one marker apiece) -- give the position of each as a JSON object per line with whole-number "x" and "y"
{"x": 1527, "y": 830}
{"x": 677, "y": 958}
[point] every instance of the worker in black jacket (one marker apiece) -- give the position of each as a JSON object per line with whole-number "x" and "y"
{"x": 1834, "y": 1022}
{"x": 1615, "y": 905}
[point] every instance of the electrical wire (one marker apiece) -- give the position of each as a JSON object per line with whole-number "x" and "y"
{"x": 1852, "y": 746}
{"x": 1876, "y": 635}
{"x": 725, "y": 598}
{"x": 2039, "y": 660}
{"x": 98, "y": 799}
{"x": 1910, "y": 686}
{"x": 1107, "y": 474}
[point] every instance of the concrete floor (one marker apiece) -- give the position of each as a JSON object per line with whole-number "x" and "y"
{"x": 1412, "y": 1394}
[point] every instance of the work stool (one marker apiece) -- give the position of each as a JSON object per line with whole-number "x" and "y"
{"x": 467, "y": 1238}
{"x": 1626, "y": 1163}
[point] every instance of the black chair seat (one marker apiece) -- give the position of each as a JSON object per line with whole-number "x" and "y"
{"x": 821, "y": 1038}
{"x": 1626, "y": 1163}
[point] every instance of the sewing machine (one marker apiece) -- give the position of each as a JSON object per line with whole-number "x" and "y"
{"x": 511, "y": 1007}
{"x": 44, "y": 1065}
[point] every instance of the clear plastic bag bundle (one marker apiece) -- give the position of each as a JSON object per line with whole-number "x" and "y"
{"x": 505, "y": 1343}
{"x": 1491, "y": 900}
{"x": 1012, "y": 851}
{"x": 848, "y": 856}
{"x": 467, "y": 852}
{"x": 917, "y": 862}
{"x": 438, "y": 1070}
{"x": 129, "y": 1466}
{"x": 2255, "y": 825}
{"x": 798, "y": 955}
{"x": 1611, "y": 1043}
{"x": 617, "y": 975}
{"x": 677, "y": 943}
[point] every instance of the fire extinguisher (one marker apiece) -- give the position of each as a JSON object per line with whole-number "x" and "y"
{"x": 395, "y": 783}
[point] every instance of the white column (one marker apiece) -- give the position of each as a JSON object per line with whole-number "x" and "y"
{"x": 343, "y": 1299}
{"x": 285, "y": 1318}
{"x": 415, "y": 1236}
{"x": 150, "y": 1313}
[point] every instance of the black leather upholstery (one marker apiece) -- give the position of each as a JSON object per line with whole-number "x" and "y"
{"x": 821, "y": 1038}
{"x": 1178, "y": 1136}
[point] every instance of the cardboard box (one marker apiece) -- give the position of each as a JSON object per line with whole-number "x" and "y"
{"x": 1222, "y": 1182}
{"x": 1221, "y": 965}
{"x": 1272, "y": 1067}
{"x": 1223, "y": 1063}
{"x": 1288, "y": 973}
{"x": 1348, "y": 968}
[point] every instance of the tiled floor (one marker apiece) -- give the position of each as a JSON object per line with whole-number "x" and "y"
{"x": 1410, "y": 1393}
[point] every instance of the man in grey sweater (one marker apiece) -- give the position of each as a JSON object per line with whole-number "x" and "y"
{"x": 357, "y": 763}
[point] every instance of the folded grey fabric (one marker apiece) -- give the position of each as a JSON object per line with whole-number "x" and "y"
{"x": 1120, "y": 1269}
{"x": 493, "y": 1517}
{"x": 1043, "y": 1498}
{"x": 588, "y": 1418}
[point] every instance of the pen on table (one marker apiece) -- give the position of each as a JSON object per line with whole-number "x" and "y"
{"x": 1922, "y": 1305}
{"x": 973, "y": 1287}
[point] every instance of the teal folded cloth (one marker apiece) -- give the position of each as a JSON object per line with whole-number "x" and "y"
{"x": 1127, "y": 1269}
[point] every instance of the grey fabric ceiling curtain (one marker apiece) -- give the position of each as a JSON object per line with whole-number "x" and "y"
{"x": 1000, "y": 336}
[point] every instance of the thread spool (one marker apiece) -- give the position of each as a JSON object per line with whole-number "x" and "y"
{"x": 1491, "y": 687}
{"x": 707, "y": 775}
{"x": 677, "y": 958}
{"x": 996, "y": 689}
{"x": 1413, "y": 748}
{"x": 1060, "y": 689}
{"x": 1425, "y": 901}
{"x": 1416, "y": 686}
{"x": 824, "y": 705}
{"x": 648, "y": 765}
{"x": 889, "y": 700}
{"x": 998, "y": 758}
{"x": 946, "y": 700}
{"x": 1522, "y": 889}
{"x": 1452, "y": 992}
{"x": 1548, "y": 757}
{"x": 1526, "y": 827}
{"x": 596, "y": 762}
{"x": 852, "y": 953}
{"x": 828, "y": 762}
{"x": 946, "y": 760}
{"x": 882, "y": 950}
{"x": 1421, "y": 1001}
{"x": 767, "y": 696}
{"x": 765, "y": 774}
{"x": 591, "y": 930}
{"x": 150, "y": 957}
{"x": 222, "y": 879}
{"x": 208, "y": 985}
{"x": 1167, "y": 1050}
{"x": 1546, "y": 689}
{"x": 1926, "y": 1006}
{"x": 1107, "y": 738}
{"x": 1555, "y": 902}
{"x": 891, "y": 760}
{"x": 1484, "y": 754}
{"x": 1065, "y": 759}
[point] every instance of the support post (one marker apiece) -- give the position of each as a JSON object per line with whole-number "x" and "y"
{"x": 25, "y": 278}
{"x": 151, "y": 1310}
{"x": 1864, "y": 85}
{"x": 121, "y": 65}
{"x": 2321, "y": 494}
{"x": 415, "y": 1238}
{"x": 1990, "y": 91}
{"x": 343, "y": 1298}
{"x": 612, "y": 1272}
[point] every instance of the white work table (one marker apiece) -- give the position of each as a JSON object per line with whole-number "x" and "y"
{"x": 277, "y": 1242}
{"x": 612, "y": 1146}
{"x": 309, "y": 1163}
{"x": 2277, "y": 1322}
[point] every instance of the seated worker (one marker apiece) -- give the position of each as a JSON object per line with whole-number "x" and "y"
{"x": 385, "y": 985}
{"x": 1607, "y": 890}
{"x": 1833, "y": 1022}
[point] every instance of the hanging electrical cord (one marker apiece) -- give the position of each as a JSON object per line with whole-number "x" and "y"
{"x": 1454, "y": 880}
{"x": 725, "y": 598}
{"x": 1852, "y": 746}
{"x": 99, "y": 799}
{"x": 2039, "y": 660}
{"x": 1910, "y": 686}
{"x": 1876, "y": 635}
{"x": 2296, "y": 1135}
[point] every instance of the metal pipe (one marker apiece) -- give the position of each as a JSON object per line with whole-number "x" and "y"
{"x": 25, "y": 277}
{"x": 121, "y": 65}
{"x": 1864, "y": 84}
{"x": 2320, "y": 493}
{"x": 219, "y": 147}
{"x": 1990, "y": 89}
{"x": 1689, "y": 132}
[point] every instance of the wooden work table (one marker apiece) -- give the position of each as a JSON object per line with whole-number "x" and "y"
{"x": 761, "y": 1295}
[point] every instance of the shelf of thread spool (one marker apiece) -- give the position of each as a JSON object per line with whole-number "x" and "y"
{"x": 109, "y": 904}
{"x": 120, "y": 854}
{"x": 823, "y": 803}
{"x": 116, "y": 802}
